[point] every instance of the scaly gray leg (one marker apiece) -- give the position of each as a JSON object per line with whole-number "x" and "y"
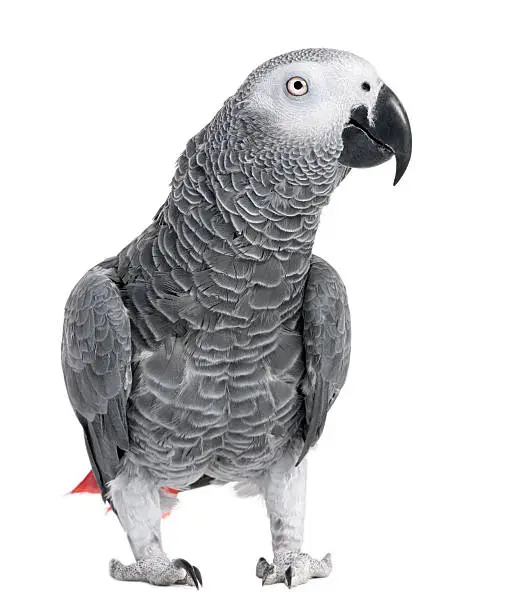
{"x": 136, "y": 500}
{"x": 284, "y": 490}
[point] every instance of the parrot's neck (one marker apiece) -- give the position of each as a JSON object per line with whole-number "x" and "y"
{"x": 259, "y": 200}
{"x": 247, "y": 227}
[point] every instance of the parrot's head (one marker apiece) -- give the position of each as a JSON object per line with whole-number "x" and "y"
{"x": 331, "y": 102}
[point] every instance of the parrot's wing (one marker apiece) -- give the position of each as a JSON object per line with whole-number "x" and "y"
{"x": 327, "y": 341}
{"x": 96, "y": 356}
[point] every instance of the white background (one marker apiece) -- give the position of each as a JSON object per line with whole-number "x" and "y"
{"x": 406, "y": 488}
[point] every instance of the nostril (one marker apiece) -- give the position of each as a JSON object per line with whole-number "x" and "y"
{"x": 365, "y": 86}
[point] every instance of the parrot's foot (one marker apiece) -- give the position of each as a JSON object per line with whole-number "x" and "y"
{"x": 292, "y": 568}
{"x": 158, "y": 570}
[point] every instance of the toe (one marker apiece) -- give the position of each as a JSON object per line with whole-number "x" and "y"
{"x": 129, "y": 573}
{"x": 192, "y": 573}
{"x": 295, "y": 576}
{"x": 261, "y": 566}
{"x": 115, "y": 569}
{"x": 269, "y": 575}
{"x": 327, "y": 560}
{"x": 324, "y": 567}
{"x": 265, "y": 571}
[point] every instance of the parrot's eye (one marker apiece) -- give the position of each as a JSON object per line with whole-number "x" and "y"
{"x": 297, "y": 86}
{"x": 365, "y": 86}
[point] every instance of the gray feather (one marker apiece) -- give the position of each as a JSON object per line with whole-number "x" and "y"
{"x": 327, "y": 340}
{"x": 96, "y": 356}
{"x": 188, "y": 351}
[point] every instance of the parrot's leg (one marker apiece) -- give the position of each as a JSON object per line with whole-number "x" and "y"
{"x": 136, "y": 501}
{"x": 284, "y": 489}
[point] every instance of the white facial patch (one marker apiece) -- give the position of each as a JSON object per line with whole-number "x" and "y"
{"x": 334, "y": 89}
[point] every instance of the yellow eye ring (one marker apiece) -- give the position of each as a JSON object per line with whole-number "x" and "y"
{"x": 297, "y": 86}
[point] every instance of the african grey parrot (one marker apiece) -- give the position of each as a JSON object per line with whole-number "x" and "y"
{"x": 211, "y": 348}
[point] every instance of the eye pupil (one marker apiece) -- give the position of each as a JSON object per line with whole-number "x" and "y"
{"x": 365, "y": 86}
{"x": 297, "y": 86}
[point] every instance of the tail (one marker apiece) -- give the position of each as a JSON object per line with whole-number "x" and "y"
{"x": 89, "y": 485}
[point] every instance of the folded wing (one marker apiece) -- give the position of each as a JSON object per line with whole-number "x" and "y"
{"x": 327, "y": 342}
{"x": 96, "y": 360}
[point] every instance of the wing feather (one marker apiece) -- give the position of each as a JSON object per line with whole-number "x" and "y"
{"x": 327, "y": 343}
{"x": 96, "y": 360}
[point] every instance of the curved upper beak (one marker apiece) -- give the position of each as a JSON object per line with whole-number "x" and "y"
{"x": 369, "y": 144}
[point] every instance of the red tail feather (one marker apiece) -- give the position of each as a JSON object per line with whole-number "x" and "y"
{"x": 88, "y": 485}
{"x": 169, "y": 490}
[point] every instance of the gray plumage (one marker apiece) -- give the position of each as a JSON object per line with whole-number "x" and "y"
{"x": 97, "y": 354}
{"x": 215, "y": 343}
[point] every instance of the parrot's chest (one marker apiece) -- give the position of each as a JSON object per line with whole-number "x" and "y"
{"x": 222, "y": 404}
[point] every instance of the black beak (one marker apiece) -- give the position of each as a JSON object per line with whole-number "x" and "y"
{"x": 368, "y": 145}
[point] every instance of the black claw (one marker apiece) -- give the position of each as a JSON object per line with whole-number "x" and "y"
{"x": 289, "y": 576}
{"x": 198, "y": 575}
{"x": 268, "y": 570}
{"x": 189, "y": 569}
